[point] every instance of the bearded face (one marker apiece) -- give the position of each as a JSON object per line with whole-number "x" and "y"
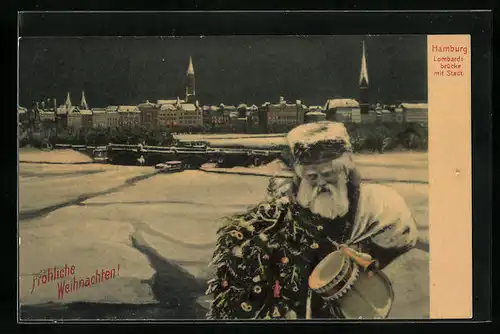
{"x": 323, "y": 187}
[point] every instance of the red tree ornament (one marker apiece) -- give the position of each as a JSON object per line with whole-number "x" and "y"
{"x": 277, "y": 289}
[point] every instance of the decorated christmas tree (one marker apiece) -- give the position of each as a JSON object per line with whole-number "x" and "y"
{"x": 263, "y": 260}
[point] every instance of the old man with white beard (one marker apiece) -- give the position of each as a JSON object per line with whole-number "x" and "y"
{"x": 264, "y": 257}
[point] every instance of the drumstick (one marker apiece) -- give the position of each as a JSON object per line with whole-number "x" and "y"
{"x": 336, "y": 244}
{"x": 308, "y": 305}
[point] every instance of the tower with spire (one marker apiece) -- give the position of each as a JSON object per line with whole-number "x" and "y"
{"x": 364, "y": 84}
{"x": 190, "y": 87}
{"x": 83, "y": 103}
{"x": 67, "y": 102}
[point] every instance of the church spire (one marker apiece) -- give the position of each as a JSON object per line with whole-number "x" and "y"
{"x": 363, "y": 76}
{"x": 364, "y": 106}
{"x": 190, "y": 87}
{"x": 83, "y": 104}
{"x": 67, "y": 103}
{"x": 190, "y": 67}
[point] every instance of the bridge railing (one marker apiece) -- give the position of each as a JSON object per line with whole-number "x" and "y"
{"x": 173, "y": 149}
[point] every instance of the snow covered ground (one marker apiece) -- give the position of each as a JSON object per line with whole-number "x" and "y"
{"x": 160, "y": 229}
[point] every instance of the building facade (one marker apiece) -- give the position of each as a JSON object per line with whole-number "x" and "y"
{"x": 253, "y": 117}
{"x": 168, "y": 116}
{"x": 286, "y": 114}
{"x": 415, "y": 112}
{"x": 99, "y": 118}
{"x": 315, "y": 116}
{"x": 112, "y": 119}
{"x": 217, "y": 117}
{"x": 149, "y": 114}
{"x": 207, "y": 115}
{"x": 87, "y": 119}
{"x": 342, "y": 110}
{"x": 23, "y": 117}
{"x": 190, "y": 114}
{"x": 398, "y": 115}
{"x": 369, "y": 117}
{"x": 75, "y": 119}
{"x": 130, "y": 116}
{"x": 47, "y": 117}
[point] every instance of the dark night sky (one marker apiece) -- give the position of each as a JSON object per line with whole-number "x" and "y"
{"x": 230, "y": 70}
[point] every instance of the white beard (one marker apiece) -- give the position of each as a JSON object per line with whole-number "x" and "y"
{"x": 332, "y": 204}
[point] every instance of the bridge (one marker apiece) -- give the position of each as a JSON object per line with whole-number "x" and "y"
{"x": 192, "y": 157}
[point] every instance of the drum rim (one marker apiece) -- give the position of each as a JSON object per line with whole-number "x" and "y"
{"x": 343, "y": 259}
{"x": 391, "y": 295}
{"x": 352, "y": 274}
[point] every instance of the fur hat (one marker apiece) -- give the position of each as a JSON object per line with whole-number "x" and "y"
{"x": 317, "y": 142}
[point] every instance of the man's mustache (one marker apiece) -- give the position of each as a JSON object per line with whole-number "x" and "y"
{"x": 318, "y": 190}
{"x": 322, "y": 189}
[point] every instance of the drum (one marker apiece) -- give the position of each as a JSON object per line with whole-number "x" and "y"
{"x": 356, "y": 294}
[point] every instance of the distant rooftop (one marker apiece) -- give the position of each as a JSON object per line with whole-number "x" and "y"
{"x": 172, "y": 101}
{"x": 315, "y": 113}
{"x": 415, "y": 105}
{"x": 168, "y": 107}
{"x": 315, "y": 108}
{"x": 65, "y": 109}
{"x": 111, "y": 108}
{"x": 188, "y": 107}
{"x": 127, "y": 108}
{"x": 346, "y": 103}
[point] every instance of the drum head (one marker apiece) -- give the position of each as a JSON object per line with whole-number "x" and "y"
{"x": 327, "y": 270}
{"x": 369, "y": 298}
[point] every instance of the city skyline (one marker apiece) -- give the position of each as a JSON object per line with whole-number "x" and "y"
{"x": 230, "y": 70}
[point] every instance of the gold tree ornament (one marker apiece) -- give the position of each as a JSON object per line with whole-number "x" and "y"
{"x": 236, "y": 234}
{"x": 257, "y": 289}
{"x": 314, "y": 246}
{"x": 256, "y": 279}
{"x": 276, "y": 312}
{"x": 246, "y": 307}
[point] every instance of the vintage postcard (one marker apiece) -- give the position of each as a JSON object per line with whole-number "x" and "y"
{"x": 245, "y": 178}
